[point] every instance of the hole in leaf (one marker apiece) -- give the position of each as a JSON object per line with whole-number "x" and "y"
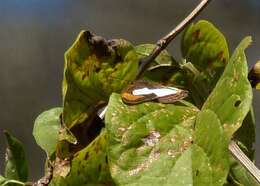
{"x": 237, "y": 103}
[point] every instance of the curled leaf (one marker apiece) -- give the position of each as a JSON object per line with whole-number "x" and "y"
{"x": 94, "y": 68}
{"x": 16, "y": 163}
{"x": 233, "y": 92}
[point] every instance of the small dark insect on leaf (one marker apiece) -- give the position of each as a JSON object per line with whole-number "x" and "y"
{"x": 142, "y": 91}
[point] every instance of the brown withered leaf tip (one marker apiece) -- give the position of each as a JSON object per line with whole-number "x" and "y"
{"x": 129, "y": 98}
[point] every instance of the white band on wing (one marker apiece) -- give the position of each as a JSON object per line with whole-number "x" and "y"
{"x": 160, "y": 92}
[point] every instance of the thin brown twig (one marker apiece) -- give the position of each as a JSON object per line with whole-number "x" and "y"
{"x": 164, "y": 42}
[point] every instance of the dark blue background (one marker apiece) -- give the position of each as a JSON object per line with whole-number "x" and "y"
{"x": 35, "y": 33}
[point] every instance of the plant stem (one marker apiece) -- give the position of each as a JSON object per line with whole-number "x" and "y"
{"x": 13, "y": 181}
{"x": 164, "y": 42}
{"x": 244, "y": 160}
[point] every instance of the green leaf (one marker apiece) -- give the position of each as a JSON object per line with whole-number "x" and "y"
{"x": 88, "y": 166}
{"x": 233, "y": 92}
{"x": 246, "y": 134}
{"x": 164, "y": 69}
{"x": 121, "y": 46}
{"x": 192, "y": 168}
{"x": 196, "y": 83}
{"x": 157, "y": 144}
{"x": 206, "y": 47}
{"x": 16, "y": 162}
{"x": 48, "y": 123}
{"x": 94, "y": 68}
{"x": 164, "y": 57}
{"x": 167, "y": 75}
{"x": 2, "y": 180}
{"x": 146, "y": 140}
{"x": 210, "y": 136}
{"x": 240, "y": 175}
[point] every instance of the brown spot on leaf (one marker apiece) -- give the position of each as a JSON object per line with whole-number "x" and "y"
{"x": 61, "y": 119}
{"x": 196, "y": 34}
{"x": 96, "y": 148}
{"x": 86, "y": 156}
{"x": 220, "y": 56}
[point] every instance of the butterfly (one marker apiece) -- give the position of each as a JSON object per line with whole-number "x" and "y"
{"x": 142, "y": 91}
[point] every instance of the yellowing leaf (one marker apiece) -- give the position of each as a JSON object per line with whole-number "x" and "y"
{"x": 88, "y": 166}
{"x": 94, "y": 68}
